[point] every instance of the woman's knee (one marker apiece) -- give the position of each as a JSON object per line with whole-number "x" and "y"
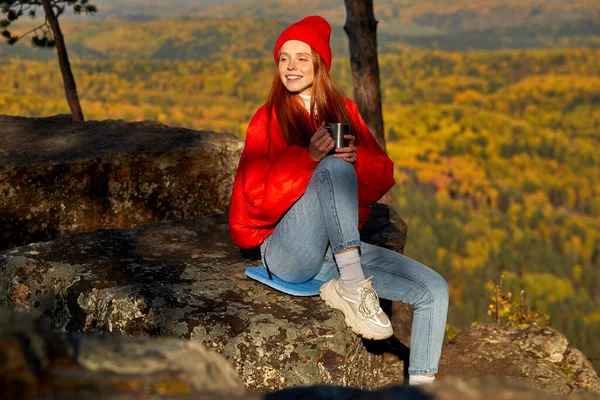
{"x": 439, "y": 289}
{"x": 435, "y": 290}
{"x": 336, "y": 166}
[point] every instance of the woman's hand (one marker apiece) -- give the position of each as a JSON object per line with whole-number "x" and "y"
{"x": 347, "y": 153}
{"x": 321, "y": 143}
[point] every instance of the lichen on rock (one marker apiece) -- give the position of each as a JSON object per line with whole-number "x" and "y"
{"x": 169, "y": 279}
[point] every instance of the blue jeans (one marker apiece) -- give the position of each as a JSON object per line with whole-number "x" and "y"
{"x": 323, "y": 222}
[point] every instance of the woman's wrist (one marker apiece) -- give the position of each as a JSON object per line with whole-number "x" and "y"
{"x": 313, "y": 158}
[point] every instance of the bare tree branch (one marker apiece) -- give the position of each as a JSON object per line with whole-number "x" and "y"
{"x": 28, "y": 32}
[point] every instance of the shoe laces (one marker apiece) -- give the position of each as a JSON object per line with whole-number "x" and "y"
{"x": 369, "y": 302}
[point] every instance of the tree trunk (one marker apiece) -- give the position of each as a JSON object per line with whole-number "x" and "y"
{"x": 63, "y": 61}
{"x": 361, "y": 28}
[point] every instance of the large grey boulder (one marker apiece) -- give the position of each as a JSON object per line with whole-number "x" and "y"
{"x": 533, "y": 356}
{"x": 58, "y": 176}
{"x": 39, "y": 362}
{"x": 186, "y": 279}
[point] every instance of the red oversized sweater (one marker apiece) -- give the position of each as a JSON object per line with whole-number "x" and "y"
{"x": 273, "y": 175}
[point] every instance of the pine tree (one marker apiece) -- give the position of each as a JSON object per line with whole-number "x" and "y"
{"x": 48, "y": 35}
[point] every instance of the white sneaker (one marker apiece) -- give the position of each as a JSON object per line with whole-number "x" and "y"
{"x": 360, "y": 306}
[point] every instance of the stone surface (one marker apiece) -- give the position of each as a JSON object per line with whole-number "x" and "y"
{"x": 186, "y": 279}
{"x": 58, "y": 176}
{"x": 576, "y": 365}
{"x": 385, "y": 228}
{"x": 38, "y": 362}
{"x": 532, "y": 356}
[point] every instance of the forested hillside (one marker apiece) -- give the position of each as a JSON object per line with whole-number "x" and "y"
{"x": 442, "y": 15}
{"x": 432, "y": 15}
{"x": 154, "y": 9}
{"x": 216, "y": 34}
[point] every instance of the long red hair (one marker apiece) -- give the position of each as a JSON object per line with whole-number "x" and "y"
{"x": 326, "y": 104}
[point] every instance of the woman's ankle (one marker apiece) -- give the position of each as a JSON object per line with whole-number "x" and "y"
{"x": 421, "y": 379}
{"x": 348, "y": 262}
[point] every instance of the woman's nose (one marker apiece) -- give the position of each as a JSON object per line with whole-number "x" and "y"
{"x": 292, "y": 65}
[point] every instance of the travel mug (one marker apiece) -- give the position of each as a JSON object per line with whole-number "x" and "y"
{"x": 337, "y": 131}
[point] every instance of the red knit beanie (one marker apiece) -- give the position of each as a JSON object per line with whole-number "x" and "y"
{"x": 314, "y": 31}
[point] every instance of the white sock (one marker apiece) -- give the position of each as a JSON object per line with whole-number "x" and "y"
{"x": 420, "y": 379}
{"x": 349, "y": 265}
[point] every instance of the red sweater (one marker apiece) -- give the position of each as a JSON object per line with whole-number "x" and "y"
{"x": 271, "y": 177}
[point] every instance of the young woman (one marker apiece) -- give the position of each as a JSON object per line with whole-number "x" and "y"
{"x": 304, "y": 205}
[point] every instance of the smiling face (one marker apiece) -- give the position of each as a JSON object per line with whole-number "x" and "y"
{"x": 295, "y": 67}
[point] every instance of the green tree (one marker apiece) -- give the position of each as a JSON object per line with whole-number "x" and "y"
{"x": 48, "y": 35}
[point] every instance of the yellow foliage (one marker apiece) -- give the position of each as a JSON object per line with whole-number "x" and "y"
{"x": 457, "y": 262}
{"x": 593, "y": 318}
{"x": 471, "y": 97}
{"x": 441, "y": 255}
{"x": 505, "y": 309}
{"x": 451, "y": 332}
{"x": 576, "y": 273}
{"x": 547, "y": 286}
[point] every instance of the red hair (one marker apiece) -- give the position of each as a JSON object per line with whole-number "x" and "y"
{"x": 326, "y": 97}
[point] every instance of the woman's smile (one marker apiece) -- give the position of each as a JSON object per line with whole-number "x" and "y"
{"x": 295, "y": 67}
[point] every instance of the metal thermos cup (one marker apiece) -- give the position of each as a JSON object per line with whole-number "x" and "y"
{"x": 337, "y": 131}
